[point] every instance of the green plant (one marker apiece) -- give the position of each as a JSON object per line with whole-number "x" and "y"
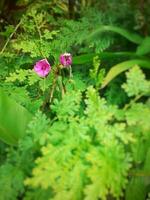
{"x": 66, "y": 135}
{"x": 83, "y": 144}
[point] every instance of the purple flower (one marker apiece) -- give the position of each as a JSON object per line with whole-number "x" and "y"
{"x": 42, "y": 67}
{"x": 66, "y": 59}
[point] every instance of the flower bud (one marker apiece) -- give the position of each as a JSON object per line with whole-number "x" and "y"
{"x": 66, "y": 59}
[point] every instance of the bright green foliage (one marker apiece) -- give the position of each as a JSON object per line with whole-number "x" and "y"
{"x": 95, "y": 73}
{"x": 22, "y": 76}
{"x": 64, "y": 175}
{"x": 97, "y": 110}
{"x": 96, "y": 64}
{"x": 139, "y": 114}
{"x": 29, "y": 77}
{"x": 68, "y": 106}
{"x": 84, "y": 151}
{"x": 133, "y": 86}
{"x": 106, "y": 162}
{"x": 37, "y": 42}
{"x": 19, "y": 75}
{"x": 77, "y": 83}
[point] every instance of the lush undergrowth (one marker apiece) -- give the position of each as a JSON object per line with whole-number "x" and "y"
{"x": 74, "y": 100}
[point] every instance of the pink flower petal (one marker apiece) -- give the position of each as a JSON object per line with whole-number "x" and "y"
{"x": 42, "y": 68}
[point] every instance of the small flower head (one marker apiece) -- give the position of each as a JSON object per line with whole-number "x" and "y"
{"x": 66, "y": 59}
{"x": 42, "y": 67}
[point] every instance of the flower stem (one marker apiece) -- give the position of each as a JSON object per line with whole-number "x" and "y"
{"x": 53, "y": 87}
{"x": 44, "y": 84}
{"x": 70, "y": 72}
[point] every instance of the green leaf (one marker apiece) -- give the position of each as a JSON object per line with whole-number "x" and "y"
{"x": 135, "y": 38}
{"x": 140, "y": 180}
{"x": 86, "y": 58}
{"x": 123, "y": 66}
{"x": 136, "y": 189}
{"x": 144, "y": 47}
{"x": 13, "y": 119}
{"x": 105, "y": 55}
{"x": 146, "y": 167}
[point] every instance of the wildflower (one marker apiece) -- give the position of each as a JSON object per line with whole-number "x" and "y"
{"x": 42, "y": 67}
{"x": 66, "y": 59}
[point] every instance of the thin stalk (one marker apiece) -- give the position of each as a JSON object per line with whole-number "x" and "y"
{"x": 44, "y": 84}
{"x": 40, "y": 36}
{"x": 70, "y": 72}
{"x": 9, "y": 38}
{"x": 52, "y": 91}
{"x": 132, "y": 102}
{"x": 63, "y": 88}
{"x": 53, "y": 87}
